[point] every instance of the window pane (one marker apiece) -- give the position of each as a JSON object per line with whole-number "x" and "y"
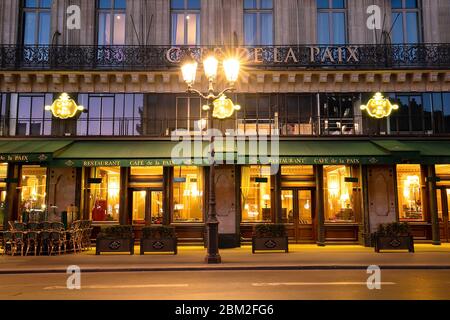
{"x": 178, "y": 28}
{"x": 409, "y": 192}
{"x": 44, "y": 28}
{"x": 104, "y": 29}
{"x": 338, "y": 4}
{"x": 255, "y": 194}
{"x": 411, "y": 4}
{"x": 446, "y": 109}
{"x": 304, "y": 206}
{"x": 30, "y": 28}
{"x": 105, "y": 197}
{"x": 266, "y": 4}
{"x": 250, "y": 29}
{"x": 323, "y": 28}
{"x": 193, "y": 29}
{"x": 120, "y": 4}
{"x": 250, "y": 4}
{"x": 396, "y": 4}
{"x": 119, "y": 29}
{"x": 177, "y": 4}
{"x": 138, "y": 206}
{"x": 188, "y": 194}
{"x": 339, "y": 195}
{"x": 46, "y": 3}
{"x": 339, "y": 28}
{"x": 416, "y": 110}
{"x": 323, "y": 4}
{"x": 397, "y": 29}
{"x": 287, "y": 206}
{"x": 266, "y": 29}
{"x": 33, "y": 191}
{"x": 412, "y": 27}
{"x": 193, "y": 4}
{"x": 31, "y": 3}
{"x": 104, "y": 4}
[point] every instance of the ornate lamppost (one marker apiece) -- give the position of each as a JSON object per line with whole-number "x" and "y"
{"x": 222, "y": 109}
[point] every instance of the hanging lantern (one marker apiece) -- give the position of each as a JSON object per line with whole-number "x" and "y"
{"x": 379, "y": 106}
{"x": 224, "y": 107}
{"x": 64, "y": 107}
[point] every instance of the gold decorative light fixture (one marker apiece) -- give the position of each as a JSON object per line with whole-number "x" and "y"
{"x": 64, "y": 107}
{"x": 379, "y": 107}
{"x": 223, "y": 107}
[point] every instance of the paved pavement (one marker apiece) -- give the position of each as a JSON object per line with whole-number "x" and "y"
{"x": 231, "y": 285}
{"x": 191, "y": 258}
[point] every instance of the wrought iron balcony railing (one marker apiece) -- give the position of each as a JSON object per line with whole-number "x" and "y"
{"x": 160, "y": 128}
{"x": 148, "y": 58}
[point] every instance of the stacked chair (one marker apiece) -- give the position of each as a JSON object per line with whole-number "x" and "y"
{"x": 46, "y": 237}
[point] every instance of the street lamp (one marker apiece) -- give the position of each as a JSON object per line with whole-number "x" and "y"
{"x": 223, "y": 108}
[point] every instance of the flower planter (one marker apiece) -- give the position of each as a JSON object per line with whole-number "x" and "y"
{"x": 270, "y": 243}
{"x": 158, "y": 245}
{"x": 394, "y": 243}
{"x": 115, "y": 239}
{"x": 114, "y": 245}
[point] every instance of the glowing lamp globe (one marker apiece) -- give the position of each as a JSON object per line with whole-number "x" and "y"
{"x": 223, "y": 107}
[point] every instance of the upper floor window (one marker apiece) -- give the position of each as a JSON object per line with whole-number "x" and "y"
{"x": 36, "y": 22}
{"x": 111, "y": 22}
{"x": 406, "y": 21}
{"x": 258, "y": 22}
{"x": 331, "y": 22}
{"x": 185, "y": 17}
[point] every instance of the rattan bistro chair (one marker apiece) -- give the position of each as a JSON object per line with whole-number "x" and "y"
{"x": 33, "y": 226}
{"x": 44, "y": 241}
{"x": 19, "y": 241}
{"x": 45, "y": 225}
{"x": 31, "y": 240}
{"x": 57, "y": 226}
{"x": 56, "y": 240}
{"x": 8, "y": 242}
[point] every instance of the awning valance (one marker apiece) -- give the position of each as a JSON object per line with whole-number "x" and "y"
{"x": 30, "y": 150}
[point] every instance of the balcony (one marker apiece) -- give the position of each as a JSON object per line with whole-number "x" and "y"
{"x": 360, "y": 126}
{"x": 148, "y": 58}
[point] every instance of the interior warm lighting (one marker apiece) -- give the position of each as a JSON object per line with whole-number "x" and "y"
{"x": 307, "y": 206}
{"x": 223, "y": 107}
{"x": 333, "y": 189}
{"x": 113, "y": 187}
{"x": 64, "y": 107}
{"x": 210, "y": 64}
{"x": 231, "y": 67}
{"x": 189, "y": 71}
{"x": 379, "y": 107}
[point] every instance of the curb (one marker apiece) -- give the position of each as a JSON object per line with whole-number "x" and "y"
{"x": 231, "y": 268}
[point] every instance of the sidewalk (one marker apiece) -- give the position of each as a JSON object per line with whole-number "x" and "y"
{"x": 308, "y": 257}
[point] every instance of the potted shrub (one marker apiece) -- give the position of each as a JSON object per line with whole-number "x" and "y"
{"x": 393, "y": 236}
{"x": 115, "y": 239}
{"x": 158, "y": 239}
{"x": 269, "y": 237}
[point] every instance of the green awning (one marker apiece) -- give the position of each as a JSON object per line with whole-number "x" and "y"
{"x": 30, "y": 150}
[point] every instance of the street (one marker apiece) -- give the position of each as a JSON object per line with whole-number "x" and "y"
{"x": 236, "y": 285}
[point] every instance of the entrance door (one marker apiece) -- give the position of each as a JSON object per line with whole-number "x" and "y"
{"x": 147, "y": 206}
{"x": 298, "y": 212}
{"x": 443, "y": 204}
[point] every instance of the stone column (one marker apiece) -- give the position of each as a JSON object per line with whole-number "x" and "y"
{"x": 320, "y": 206}
{"x": 365, "y": 222}
{"x": 12, "y": 193}
{"x": 123, "y": 205}
{"x": 432, "y": 201}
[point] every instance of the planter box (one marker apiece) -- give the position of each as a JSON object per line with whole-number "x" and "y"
{"x": 159, "y": 245}
{"x": 263, "y": 243}
{"x": 114, "y": 245}
{"x": 394, "y": 243}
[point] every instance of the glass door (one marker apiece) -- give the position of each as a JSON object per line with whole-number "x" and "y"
{"x": 297, "y": 211}
{"x": 147, "y": 206}
{"x": 443, "y": 202}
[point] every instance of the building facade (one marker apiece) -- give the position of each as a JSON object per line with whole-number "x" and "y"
{"x": 308, "y": 66}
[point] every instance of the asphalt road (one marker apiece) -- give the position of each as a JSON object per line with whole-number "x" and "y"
{"x": 264, "y": 285}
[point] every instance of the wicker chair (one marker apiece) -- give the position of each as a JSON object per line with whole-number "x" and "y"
{"x": 31, "y": 239}
{"x": 33, "y": 226}
{"x": 8, "y": 241}
{"x": 45, "y": 225}
{"x": 19, "y": 241}
{"x": 56, "y": 240}
{"x": 44, "y": 241}
{"x": 57, "y": 226}
{"x": 19, "y": 226}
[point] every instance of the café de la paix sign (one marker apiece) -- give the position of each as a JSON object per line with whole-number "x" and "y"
{"x": 282, "y": 56}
